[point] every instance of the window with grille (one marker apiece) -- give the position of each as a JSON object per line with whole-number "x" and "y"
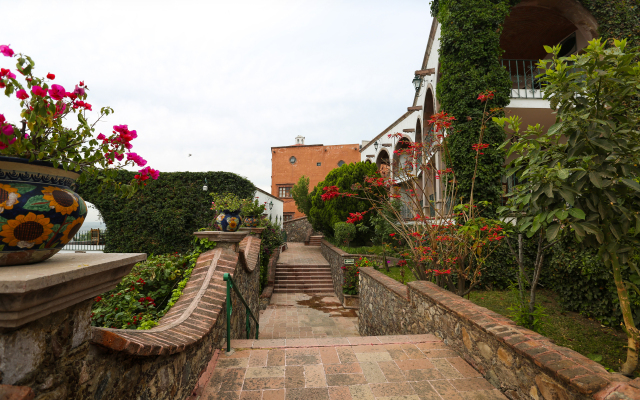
{"x": 284, "y": 191}
{"x": 287, "y": 216}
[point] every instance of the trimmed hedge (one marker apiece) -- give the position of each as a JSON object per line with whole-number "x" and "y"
{"x": 162, "y": 217}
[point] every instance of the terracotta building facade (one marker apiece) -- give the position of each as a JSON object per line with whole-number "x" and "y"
{"x": 315, "y": 161}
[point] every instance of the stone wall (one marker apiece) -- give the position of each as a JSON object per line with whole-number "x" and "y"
{"x": 298, "y": 230}
{"x": 521, "y": 363}
{"x": 336, "y": 256}
{"x": 62, "y": 357}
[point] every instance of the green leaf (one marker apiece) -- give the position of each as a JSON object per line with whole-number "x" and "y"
{"x": 562, "y": 214}
{"x": 548, "y": 189}
{"x": 37, "y": 203}
{"x": 595, "y": 179}
{"x": 564, "y": 174}
{"x": 577, "y": 213}
{"x": 23, "y": 187}
{"x": 552, "y": 232}
{"x": 567, "y": 195}
{"x": 632, "y": 184}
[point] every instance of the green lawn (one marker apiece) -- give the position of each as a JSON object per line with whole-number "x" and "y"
{"x": 566, "y": 328}
{"x": 394, "y": 272}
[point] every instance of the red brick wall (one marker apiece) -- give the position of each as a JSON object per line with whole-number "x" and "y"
{"x": 283, "y": 173}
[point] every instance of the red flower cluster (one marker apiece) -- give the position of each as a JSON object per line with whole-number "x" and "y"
{"x": 441, "y": 120}
{"x": 355, "y": 217}
{"x": 439, "y": 272}
{"x": 486, "y": 95}
{"x": 330, "y": 192}
{"x": 148, "y": 300}
{"x": 146, "y": 173}
{"x": 98, "y": 298}
{"x": 480, "y": 146}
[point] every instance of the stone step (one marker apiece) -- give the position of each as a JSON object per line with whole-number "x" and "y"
{"x": 287, "y": 282}
{"x": 281, "y": 290}
{"x": 305, "y": 270}
{"x": 326, "y": 265}
{"x": 303, "y": 278}
{"x": 299, "y": 285}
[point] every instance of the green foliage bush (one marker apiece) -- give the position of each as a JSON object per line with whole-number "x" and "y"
{"x": 586, "y": 286}
{"x": 271, "y": 239}
{"x": 324, "y": 215}
{"x": 148, "y": 291}
{"x": 161, "y": 218}
{"x": 617, "y": 19}
{"x": 344, "y": 232}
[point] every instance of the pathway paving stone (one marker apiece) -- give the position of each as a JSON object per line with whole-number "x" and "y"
{"x": 407, "y": 368}
{"x": 300, "y": 316}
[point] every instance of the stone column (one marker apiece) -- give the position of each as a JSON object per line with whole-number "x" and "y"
{"x": 45, "y": 312}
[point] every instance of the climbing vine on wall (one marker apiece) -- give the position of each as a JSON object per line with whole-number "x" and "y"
{"x": 469, "y": 58}
{"x": 617, "y": 19}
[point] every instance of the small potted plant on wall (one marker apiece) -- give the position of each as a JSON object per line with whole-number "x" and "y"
{"x": 46, "y": 153}
{"x": 227, "y": 206}
{"x": 351, "y": 286}
{"x": 252, "y": 212}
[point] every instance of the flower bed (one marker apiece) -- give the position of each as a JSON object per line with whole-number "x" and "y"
{"x": 148, "y": 292}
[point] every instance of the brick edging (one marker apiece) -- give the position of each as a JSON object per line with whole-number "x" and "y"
{"x": 293, "y": 220}
{"x": 191, "y": 317}
{"x": 250, "y": 252}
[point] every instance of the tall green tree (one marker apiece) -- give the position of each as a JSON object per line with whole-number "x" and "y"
{"x": 300, "y": 194}
{"x": 590, "y": 183}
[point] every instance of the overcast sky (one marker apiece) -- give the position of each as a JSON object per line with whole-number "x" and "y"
{"x": 226, "y": 80}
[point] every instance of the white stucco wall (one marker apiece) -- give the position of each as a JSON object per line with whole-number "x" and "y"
{"x": 276, "y": 212}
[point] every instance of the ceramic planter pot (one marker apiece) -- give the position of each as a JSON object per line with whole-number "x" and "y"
{"x": 229, "y": 221}
{"x": 251, "y": 222}
{"x": 39, "y": 212}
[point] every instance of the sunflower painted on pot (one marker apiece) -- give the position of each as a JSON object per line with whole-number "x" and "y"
{"x": 64, "y": 201}
{"x": 26, "y": 231}
{"x": 8, "y": 197}
{"x": 233, "y": 223}
{"x": 71, "y": 230}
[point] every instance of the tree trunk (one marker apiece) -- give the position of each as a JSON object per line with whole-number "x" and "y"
{"x": 629, "y": 325}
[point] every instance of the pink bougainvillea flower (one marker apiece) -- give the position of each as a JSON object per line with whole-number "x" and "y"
{"x": 148, "y": 171}
{"x": 119, "y": 156}
{"x": 87, "y": 106}
{"x": 22, "y": 94}
{"x": 38, "y": 91}
{"x": 57, "y": 92}
{"x": 4, "y": 49}
{"x": 51, "y": 76}
{"x": 79, "y": 91}
{"x": 7, "y": 72}
{"x": 102, "y": 137}
{"x": 60, "y": 108}
{"x": 137, "y": 159}
{"x": 7, "y": 130}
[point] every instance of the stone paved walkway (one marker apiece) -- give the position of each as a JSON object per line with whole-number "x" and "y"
{"x": 298, "y": 253}
{"x": 415, "y": 367}
{"x": 300, "y": 315}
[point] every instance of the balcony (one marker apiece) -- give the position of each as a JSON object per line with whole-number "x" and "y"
{"x": 524, "y": 84}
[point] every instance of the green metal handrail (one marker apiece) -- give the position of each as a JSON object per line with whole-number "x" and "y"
{"x": 232, "y": 285}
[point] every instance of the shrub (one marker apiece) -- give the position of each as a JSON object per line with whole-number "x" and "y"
{"x": 344, "y": 232}
{"x": 352, "y": 276}
{"x": 324, "y": 215}
{"x": 162, "y": 218}
{"x": 271, "y": 239}
{"x": 586, "y": 286}
{"x": 148, "y": 292}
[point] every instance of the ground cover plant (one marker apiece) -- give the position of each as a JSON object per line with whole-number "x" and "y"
{"x": 148, "y": 292}
{"x": 270, "y": 240}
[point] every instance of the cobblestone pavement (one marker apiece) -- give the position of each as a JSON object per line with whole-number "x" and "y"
{"x": 300, "y": 315}
{"x": 415, "y": 367}
{"x": 299, "y": 254}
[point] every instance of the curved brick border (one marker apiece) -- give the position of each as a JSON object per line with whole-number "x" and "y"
{"x": 194, "y": 314}
{"x": 516, "y": 360}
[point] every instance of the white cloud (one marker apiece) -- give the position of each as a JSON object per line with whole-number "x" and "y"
{"x": 225, "y": 81}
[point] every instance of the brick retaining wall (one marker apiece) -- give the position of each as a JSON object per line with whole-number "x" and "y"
{"x": 520, "y": 362}
{"x": 71, "y": 360}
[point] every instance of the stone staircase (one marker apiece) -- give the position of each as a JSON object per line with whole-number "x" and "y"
{"x": 315, "y": 240}
{"x": 303, "y": 278}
